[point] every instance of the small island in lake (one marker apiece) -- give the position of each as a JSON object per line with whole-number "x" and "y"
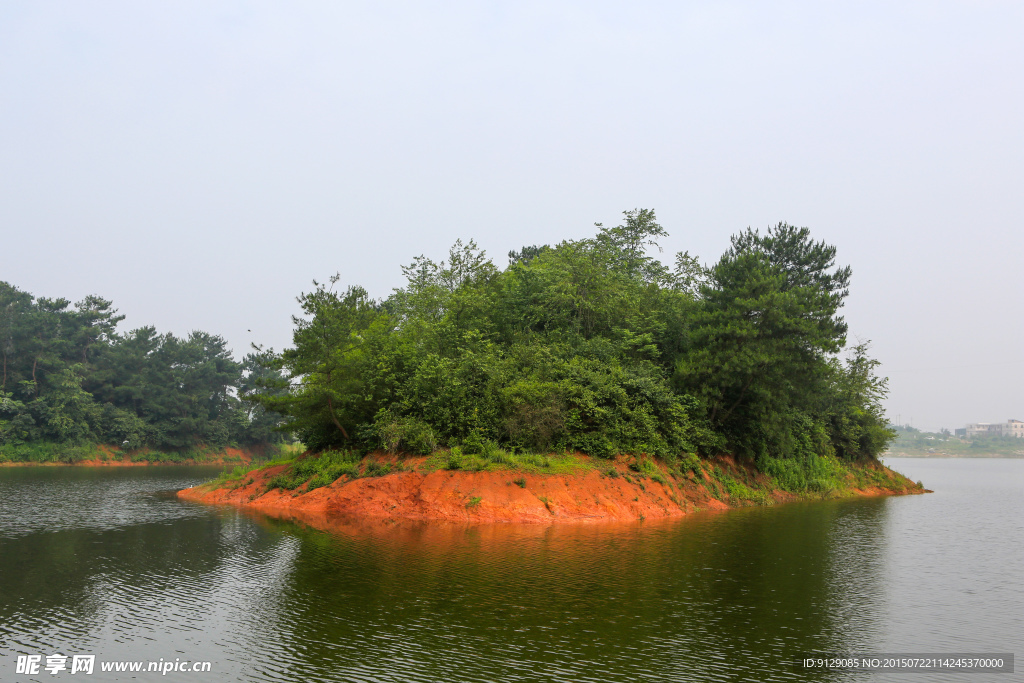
{"x": 586, "y": 380}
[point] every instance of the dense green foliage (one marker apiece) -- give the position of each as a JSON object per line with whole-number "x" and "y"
{"x": 69, "y": 380}
{"x": 590, "y": 345}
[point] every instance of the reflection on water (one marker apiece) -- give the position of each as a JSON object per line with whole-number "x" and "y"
{"x": 731, "y": 596}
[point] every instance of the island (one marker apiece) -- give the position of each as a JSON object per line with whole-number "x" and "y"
{"x": 586, "y": 380}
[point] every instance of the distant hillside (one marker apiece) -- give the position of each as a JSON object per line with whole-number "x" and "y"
{"x": 914, "y": 443}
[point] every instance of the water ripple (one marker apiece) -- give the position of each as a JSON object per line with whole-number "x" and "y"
{"x": 104, "y": 563}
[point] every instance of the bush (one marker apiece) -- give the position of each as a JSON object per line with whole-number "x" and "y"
{"x": 689, "y": 462}
{"x": 595, "y": 444}
{"x": 816, "y": 474}
{"x": 822, "y": 486}
{"x": 454, "y": 461}
{"x": 46, "y": 451}
{"x": 233, "y": 479}
{"x": 648, "y": 468}
{"x": 377, "y": 469}
{"x": 404, "y": 434}
{"x": 474, "y": 443}
{"x": 318, "y": 470}
{"x": 740, "y": 491}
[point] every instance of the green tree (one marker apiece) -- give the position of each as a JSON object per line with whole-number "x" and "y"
{"x": 15, "y": 306}
{"x": 261, "y": 376}
{"x": 326, "y": 402}
{"x": 758, "y": 354}
{"x": 69, "y": 411}
{"x": 68, "y": 376}
{"x": 96, "y": 321}
{"x": 855, "y": 416}
{"x": 629, "y": 243}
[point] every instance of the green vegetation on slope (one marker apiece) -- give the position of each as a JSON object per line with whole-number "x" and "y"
{"x": 739, "y": 484}
{"x": 70, "y": 381}
{"x": 591, "y": 345}
{"x": 586, "y": 346}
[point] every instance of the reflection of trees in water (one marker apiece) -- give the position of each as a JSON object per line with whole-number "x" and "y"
{"x": 761, "y": 576}
{"x": 733, "y": 594}
{"x": 499, "y": 601}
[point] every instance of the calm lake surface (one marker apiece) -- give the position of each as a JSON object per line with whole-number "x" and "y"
{"x": 108, "y": 562}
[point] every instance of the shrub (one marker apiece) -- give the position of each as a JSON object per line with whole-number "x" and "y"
{"x": 689, "y": 462}
{"x": 404, "y": 435}
{"x": 822, "y": 486}
{"x": 377, "y": 469}
{"x": 233, "y": 478}
{"x": 318, "y": 470}
{"x": 534, "y": 413}
{"x": 740, "y": 491}
{"x": 816, "y": 474}
{"x": 492, "y": 452}
{"x": 595, "y": 444}
{"x": 474, "y": 444}
{"x": 649, "y": 469}
{"x": 454, "y": 459}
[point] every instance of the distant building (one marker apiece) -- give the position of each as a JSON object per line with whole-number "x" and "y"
{"x": 1009, "y": 428}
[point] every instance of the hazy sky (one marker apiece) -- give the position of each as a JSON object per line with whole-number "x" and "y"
{"x": 201, "y": 162}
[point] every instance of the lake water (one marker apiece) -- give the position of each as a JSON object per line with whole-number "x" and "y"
{"x": 108, "y": 562}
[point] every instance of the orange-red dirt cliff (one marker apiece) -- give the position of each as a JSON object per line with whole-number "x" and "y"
{"x": 598, "y": 491}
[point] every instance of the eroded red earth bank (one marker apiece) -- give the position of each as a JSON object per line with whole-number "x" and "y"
{"x": 499, "y": 495}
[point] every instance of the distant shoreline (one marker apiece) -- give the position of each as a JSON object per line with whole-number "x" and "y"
{"x": 105, "y": 455}
{"x": 962, "y": 456}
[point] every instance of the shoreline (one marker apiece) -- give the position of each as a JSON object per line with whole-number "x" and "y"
{"x": 103, "y": 455}
{"x": 125, "y": 463}
{"x": 958, "y": 456}
{"x": 599, "y": 491}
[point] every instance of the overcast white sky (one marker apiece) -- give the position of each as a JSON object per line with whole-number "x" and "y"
{"x": 201, "y": 162}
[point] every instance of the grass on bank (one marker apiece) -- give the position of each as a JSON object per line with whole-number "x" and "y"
{"x": 815, "y": 477}
{"x": 317, "y": 470}
{"x": 41, "y": 452}
{"x": 490, "y": 457}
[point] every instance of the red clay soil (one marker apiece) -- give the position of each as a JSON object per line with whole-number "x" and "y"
{"x": 488, "y": 496}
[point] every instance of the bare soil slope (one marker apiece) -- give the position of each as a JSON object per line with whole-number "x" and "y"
{"x": 594, "y": 493}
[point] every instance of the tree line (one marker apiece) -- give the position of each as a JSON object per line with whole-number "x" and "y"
{"x": 589, "y": 345}
{"x": 67, "y": 376}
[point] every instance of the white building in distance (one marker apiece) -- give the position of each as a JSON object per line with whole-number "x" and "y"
{"x": 1008, "y": 428}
